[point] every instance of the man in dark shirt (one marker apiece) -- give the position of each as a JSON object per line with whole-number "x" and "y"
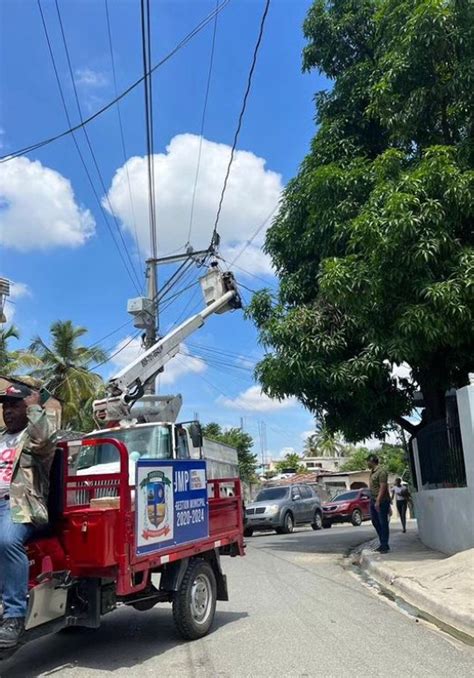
{"x": 380, "y": 501}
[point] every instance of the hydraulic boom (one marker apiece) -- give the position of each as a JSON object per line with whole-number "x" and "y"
{"x": 126, "y": 387}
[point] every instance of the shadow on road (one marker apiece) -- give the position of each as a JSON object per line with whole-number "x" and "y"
{"x": 126, "y": 639}
{"x": 339, "y": 540}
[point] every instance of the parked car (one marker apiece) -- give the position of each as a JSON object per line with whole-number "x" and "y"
{"x": 281, "y": 508}
{"x": 348, "y": 507}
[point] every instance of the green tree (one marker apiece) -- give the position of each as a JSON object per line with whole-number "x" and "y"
{"x": 391, "y": 457}
{"x": 324, "y": 443}
{"x": 243, "y": 443}
{"x": 290, "y": 461}
{"x": 65, "y": 368}
{"x": 373, "y": 243}
{"x": 14, "y": 363}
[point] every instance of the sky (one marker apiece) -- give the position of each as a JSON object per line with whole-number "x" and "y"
{"x": 55, "y": 230}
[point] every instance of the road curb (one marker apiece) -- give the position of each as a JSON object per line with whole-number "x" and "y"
{"x": 412, "y": 593}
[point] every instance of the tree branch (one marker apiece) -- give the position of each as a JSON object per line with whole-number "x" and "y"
{"x": 406, "y": 425}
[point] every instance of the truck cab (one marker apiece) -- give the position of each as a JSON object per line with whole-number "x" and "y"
{"x": 155, "y": 440}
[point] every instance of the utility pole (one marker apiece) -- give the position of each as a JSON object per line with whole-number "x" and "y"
{"x": 152, "y": 328}
{"x": 146, "y": 310}
{"x": 241, "y": 423}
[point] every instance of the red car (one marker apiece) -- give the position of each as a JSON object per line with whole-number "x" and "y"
{"x": 348, "y": 507}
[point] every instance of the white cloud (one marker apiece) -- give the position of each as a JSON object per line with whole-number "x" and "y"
{"x": 87, "y": 77}
{"x": 179, "y": 366}
{"x": 254, "y": 400}
{"x": 38, "y": 209}
{"x": 17, "y": 291}
{"x": 392, "y": 438}
{"x": 306, "y": 434}
{"x": 253, "y": 192}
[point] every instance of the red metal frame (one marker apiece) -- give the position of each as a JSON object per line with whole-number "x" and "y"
{"x": 132, "y": 572}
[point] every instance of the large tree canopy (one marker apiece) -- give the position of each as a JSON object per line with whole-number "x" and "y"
{"x": 373, "y": 243}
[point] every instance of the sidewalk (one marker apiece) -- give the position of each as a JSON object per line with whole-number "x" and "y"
{"x": 440, "y": 586}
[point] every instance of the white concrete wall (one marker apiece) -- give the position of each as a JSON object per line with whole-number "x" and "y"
{"x": 446, "y": 516}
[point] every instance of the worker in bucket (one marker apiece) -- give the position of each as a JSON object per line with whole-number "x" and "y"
{"x": 26, "y": 454}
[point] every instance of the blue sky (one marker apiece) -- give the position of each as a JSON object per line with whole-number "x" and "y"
{"x": 55, "y": 243}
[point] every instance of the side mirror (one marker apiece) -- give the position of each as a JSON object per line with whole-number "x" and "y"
{"x": 296, "y": 497}
{"x": 195, "y": 432}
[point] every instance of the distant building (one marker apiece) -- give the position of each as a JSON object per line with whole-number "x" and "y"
{"x": 323, "y": 463}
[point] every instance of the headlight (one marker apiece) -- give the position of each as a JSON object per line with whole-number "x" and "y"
{"x": 272, "y": 509}
{"x": 343, "y": 507}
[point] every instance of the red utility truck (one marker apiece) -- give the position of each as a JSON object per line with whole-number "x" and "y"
{"x": 134, "y": 519}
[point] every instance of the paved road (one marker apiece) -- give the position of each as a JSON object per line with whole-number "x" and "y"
{"x": 294, "y": 611}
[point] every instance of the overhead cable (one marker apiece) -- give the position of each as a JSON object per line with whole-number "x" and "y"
{"x": 39, "y": 144}
{"x": 147, "y": 82}
{"x": 120, "y": 122}
{"x": 89, "y": 144}
{"x": 76, "y": 144}
{"x": 215, "y": 237}
{"x": 203, "y": 123}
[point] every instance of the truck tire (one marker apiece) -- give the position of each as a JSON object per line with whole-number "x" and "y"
{"x": 317, "y": 523}
{"x": 356, "y": 518}
{"x": 194, "y": 604}
{"x": 327, "y": 524}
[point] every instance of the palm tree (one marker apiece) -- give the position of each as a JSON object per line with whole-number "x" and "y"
{"x": 323, "y": 443}
{"x": 66, "y": 369}
{"x": 14, "y": 363}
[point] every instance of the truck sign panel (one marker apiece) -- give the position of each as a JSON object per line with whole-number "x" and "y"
{"x": 171, "y": 504}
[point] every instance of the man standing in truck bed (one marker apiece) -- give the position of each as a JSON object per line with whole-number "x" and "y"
{"x": 26, "y": 454}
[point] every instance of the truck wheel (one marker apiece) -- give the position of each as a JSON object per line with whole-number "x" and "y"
{"x": 317, "y": 521}
{"x": 288, "y": 524}
{"x": 248, "y": 532}
{"x": 356, "y": 518}
{"x": 194, "y": 604}
{"x": 327, "y": 524}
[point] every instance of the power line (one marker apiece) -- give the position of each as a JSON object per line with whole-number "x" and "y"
{"x": 147, "y": 82}
{"x": 89, "y": 144}
{"x": 119, "y": 116}
{"x": 76, "y": 144}
{"x": 249, "y": 242}
{"x": 197, "y": 29}
{"x": 203, "y": 122}
{"x": 214, "y": 239}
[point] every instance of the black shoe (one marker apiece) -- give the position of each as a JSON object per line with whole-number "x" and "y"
{"x": 383, "y": 549}
{"x": 11, "y": 632}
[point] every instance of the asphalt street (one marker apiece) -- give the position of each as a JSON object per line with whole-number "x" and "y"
{"x": 294, "y": 611}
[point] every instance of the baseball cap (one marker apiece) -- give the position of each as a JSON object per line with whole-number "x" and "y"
{"x": 15, "y": 392}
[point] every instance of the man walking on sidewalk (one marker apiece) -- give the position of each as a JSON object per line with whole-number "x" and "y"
{"x": 380, "y": 501}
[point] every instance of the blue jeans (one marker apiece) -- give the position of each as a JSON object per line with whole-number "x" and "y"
{"x": 13, "y": 563}
{"x": 380, "y": 520}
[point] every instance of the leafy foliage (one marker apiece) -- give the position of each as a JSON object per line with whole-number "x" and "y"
{"x": 290, "y": 462}
{"x": 324, "y": 443}
{"x": 243, "y": 442}
{"x": 391, "y": 457}
{"x": 374, "y": 240}
{"x": 13, "y": 363}
{"x": 65, "y": 367}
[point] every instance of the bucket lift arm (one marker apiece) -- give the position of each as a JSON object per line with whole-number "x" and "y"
{"x": 123, "y": 389}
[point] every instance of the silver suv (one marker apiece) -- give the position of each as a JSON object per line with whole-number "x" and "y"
{"x": 281, "y": 508}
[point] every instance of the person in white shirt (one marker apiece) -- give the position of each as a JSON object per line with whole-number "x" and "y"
{"x": 401, "y": 495}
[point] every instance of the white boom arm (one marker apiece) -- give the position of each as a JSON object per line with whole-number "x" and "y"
{"x": 127, "y": 386}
